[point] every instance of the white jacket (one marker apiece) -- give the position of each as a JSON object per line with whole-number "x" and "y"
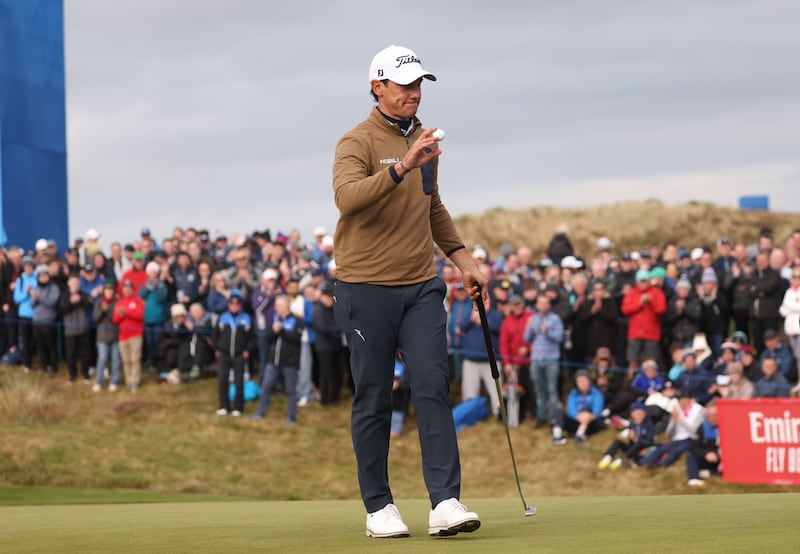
{"x": 790, "y": 310}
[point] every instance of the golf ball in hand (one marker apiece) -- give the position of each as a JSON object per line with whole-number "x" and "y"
{"x": 438, "y": 134}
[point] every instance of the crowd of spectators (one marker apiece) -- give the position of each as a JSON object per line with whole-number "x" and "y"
{"x": 635, "y": 332}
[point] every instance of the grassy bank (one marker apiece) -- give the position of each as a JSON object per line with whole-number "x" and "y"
{"x": 166, "y": 440}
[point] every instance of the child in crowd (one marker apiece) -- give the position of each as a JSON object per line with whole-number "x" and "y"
{"x": 582, "y": 416}
{"x": 284, "y": 359}
{"x": 233, "y": 342}
{"x": 640, "y": 434}
{"x": 199, "y": 323}
{"x": 107, "y": 338}
{"x": 74, "y": 306}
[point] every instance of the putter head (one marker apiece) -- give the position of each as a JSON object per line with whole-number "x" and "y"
{"x": 530, "y": 510}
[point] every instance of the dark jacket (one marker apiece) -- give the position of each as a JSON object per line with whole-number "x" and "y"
{"x": 328, "y": 333}
{"x": 107, "y": 332}
{"x": 233, "y": 334}
{"x": 684, "y": 325}
{"x": 76, "y": 320}
{"x": 766, "y": 291}
{"x": 286, "y": 349}
{"x": 716, "y": 311}
{"x": 601, "y": 326}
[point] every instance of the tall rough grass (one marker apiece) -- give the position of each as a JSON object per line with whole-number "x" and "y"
{"x": 631, "y": 225}
{"x": 25, "y": 398}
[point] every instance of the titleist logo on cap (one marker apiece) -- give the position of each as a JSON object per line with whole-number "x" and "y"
{"x": 402, "y": 60}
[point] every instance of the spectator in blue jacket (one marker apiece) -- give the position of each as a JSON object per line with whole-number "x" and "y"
{"x": 23, "y": 288}
{"x": 233, "y": 342}
{"x": 774, "y": 348}
{"x": 476, "y": 368}
{"x": 461, "y": 304}
{"x": 705, "y": 457}
{"x": 582, "y": 416}
{"x": 695, "y": 379}
{"x": 544, "y": 332}
{"x": 773, "y": 384}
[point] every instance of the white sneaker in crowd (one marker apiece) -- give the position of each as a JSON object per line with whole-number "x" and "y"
{"x": 303, "y": 402}
{"x": 386, "y": 523}
{"x": 704, "y": 474}
{"x": 450, "y": 517}
{"x": 222, "y": 411}
{"x": 696, "y": 482}
{"x": 96, "y": 388}
{"x": 112, "y": 388}
{"x": 236, "y": 413}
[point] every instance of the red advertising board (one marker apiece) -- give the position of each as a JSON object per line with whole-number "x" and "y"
{"x": 760, "y": 440}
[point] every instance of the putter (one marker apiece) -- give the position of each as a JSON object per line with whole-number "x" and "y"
{"x": 487, "y": 337}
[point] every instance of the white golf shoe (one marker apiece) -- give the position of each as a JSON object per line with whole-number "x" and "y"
{"x": 386, "y": 523}
{"x": 450, "y": 517}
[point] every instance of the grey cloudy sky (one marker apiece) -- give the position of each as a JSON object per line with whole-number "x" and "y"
{"x": 226, "y": 114}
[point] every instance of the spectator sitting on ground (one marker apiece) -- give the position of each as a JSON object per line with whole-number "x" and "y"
{"x": 749, "y": 364}
{"x": 773, "y": 384}
{"x": 696, "y": 380}
{"x": 729, "y": 353}
{"x": 738, "y": 386}
{"x": 705, "y": 458}
{"x": 582, "y": 416}
{"x": 639, "y": 435}
{"x": 685, "y": 421}
{"x": 660, "y": 405}
{"x": 176, "y": 343}
{"x": 773, "y": 347}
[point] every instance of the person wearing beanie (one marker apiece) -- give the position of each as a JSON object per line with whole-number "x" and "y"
{"x": 682, "y": 319}
{"x": 715, "y": 311}
{"x": 45, "y": 301}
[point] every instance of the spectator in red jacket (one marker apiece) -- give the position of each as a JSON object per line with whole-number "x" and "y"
{"x": 129, "y": 317}
{"x": 515, "y": 352}
{"x": 136, "y": 274}
{"x": 643, "y": 306}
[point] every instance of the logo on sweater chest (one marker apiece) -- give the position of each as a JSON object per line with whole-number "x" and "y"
{"x": 389, "y": 161}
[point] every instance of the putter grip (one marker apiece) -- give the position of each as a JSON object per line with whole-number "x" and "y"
{"x": 487, "y": 337}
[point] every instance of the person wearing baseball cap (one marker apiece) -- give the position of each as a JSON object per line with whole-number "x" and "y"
{"x": 385, "y": 182}
{"x": 129, "y": 319}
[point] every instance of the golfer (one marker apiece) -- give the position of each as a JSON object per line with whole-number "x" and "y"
{"x": 388, "y": 296}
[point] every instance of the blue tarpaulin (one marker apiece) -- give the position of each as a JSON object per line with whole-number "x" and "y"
{"x": 33, "y": 142}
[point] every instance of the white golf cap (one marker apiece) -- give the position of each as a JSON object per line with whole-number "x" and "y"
{"x": 92, "y": 234}
{"x": 697, "y": 253}
{"x": 571, "y": 262}
{"x": 41, "y": 244}
{"x": 604, "y": 243}
{"x": 327, "y": 241}
{"x": 479, "y": 252}
{"x": 269, "y": 273}
{"x": 398, "y": 64}
{"x": 319, "y": 230}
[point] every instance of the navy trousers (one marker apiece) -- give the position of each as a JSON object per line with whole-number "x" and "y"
{"x": 379, "y": 321}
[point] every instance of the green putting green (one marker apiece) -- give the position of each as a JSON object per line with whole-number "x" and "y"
{"x": 697, "y": 523}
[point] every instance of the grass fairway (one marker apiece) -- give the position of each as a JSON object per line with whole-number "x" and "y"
{"x": 707, "y": 523}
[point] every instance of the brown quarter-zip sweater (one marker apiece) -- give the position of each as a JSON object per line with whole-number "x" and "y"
{"x": 386, "y": 230}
